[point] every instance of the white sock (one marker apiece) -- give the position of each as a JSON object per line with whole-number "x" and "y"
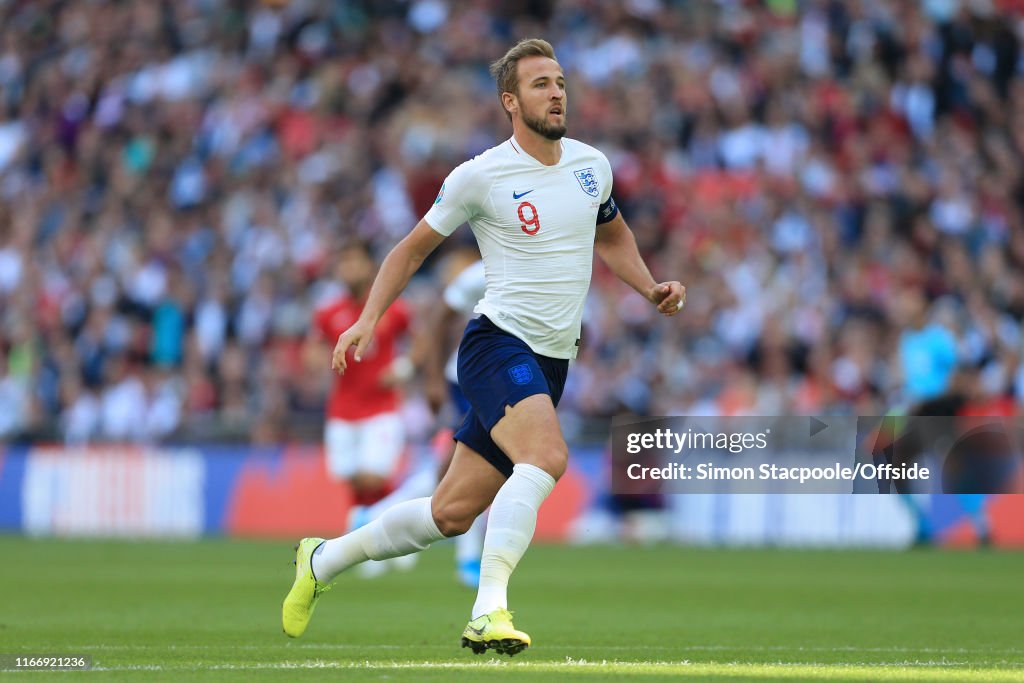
{"x": 420, "y": 484}
{"x": 469, "y": 545}
{"x": 406, "y": 528}
{"x": 509, "y": 532}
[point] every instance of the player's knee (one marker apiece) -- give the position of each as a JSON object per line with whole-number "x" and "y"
{"x": 556, "y": 464}
{"x": 452, "y": 519}
{"x": 552, "y": 459}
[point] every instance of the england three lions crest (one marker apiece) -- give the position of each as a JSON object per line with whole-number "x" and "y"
{"x": 588, "y": 181}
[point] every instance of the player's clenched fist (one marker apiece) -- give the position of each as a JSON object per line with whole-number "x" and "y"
{"x": 359, "y": 335}
{"x": 670, "y": 297}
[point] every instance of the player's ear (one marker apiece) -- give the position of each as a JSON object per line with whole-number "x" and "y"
{"x": 510, "y": 102}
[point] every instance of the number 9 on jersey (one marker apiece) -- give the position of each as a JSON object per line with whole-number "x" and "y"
{"x": 528, "y": 216}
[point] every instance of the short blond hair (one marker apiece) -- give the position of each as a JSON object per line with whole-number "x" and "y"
{"x": 505, "y": 70}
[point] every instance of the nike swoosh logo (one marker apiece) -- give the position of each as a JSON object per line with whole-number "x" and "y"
{"x": 519, "y": 196}
{"x": 478, "y": 631}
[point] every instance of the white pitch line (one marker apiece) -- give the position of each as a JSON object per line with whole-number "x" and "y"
{"x": 490, "y": 664}
{"x": 599, "y": 648}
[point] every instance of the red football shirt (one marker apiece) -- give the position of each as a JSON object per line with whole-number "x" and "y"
{"x": 360, "y": 393}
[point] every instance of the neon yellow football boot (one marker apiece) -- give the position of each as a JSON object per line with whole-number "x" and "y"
{"x": 495, "y": 631}
{"x": 301, "y": 599}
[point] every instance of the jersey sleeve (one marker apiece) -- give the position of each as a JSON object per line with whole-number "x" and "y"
{"x": 606, "y": 179}
{"x": 466, "y": 289}
{"x": 457, "y": 201}
{"x": 608, "y": 210}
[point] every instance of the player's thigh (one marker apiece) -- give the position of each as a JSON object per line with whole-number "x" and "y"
{"x": 341, "y": 448}
{"x": 381, "y": 443}
{"x": 529, "y": 433}
{"x": 466, "y": 490}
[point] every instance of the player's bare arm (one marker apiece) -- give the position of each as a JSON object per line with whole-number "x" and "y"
{"x": 616, "y": 246}
{"x": 396, "y": 270}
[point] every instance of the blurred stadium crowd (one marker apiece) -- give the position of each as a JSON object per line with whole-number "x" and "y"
{"x": 839, "y": 185}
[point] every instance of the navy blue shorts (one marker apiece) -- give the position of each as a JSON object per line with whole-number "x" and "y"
{"x": 497, "y": 369}
{"x": 459, "y": 401}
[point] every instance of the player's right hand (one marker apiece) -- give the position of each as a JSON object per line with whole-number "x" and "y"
{"x": 359, "y": 335}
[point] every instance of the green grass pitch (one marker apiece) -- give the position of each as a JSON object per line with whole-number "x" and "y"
{"x": 211, "y": 611}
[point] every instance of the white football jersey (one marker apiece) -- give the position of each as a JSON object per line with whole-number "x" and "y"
{"x": 535, "y": 227}
{"x": 467, "y": 289}
{"x": 462, "y": 295}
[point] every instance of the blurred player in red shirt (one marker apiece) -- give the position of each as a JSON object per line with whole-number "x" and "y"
{"x": 466, "y": 283}
{"x": 364, "y": 436}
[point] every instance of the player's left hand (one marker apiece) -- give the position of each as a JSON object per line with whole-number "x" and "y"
{"x": 669, "y": 297}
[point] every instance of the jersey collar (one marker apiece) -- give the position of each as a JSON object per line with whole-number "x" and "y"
{"x": 523, "y": 153}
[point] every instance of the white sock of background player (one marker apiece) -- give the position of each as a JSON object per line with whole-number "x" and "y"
{"x": 420, "y": 484}
{"x": 469, "y": 545}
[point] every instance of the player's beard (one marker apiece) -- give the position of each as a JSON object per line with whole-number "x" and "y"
{"x": 540, "y": 126}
